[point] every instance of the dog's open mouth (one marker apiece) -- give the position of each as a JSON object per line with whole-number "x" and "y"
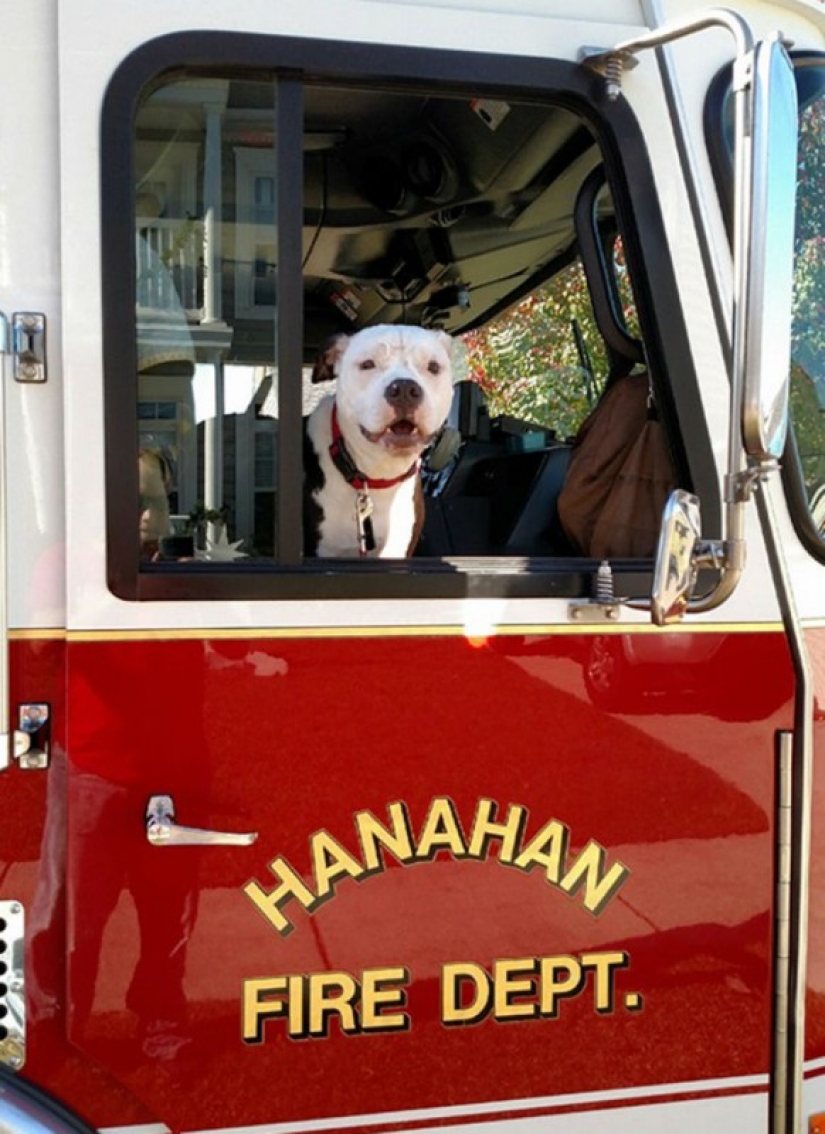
{"x": 399, "y": 434}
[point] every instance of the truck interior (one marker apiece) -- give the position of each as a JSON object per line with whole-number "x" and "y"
{"x": 483, "y": 212}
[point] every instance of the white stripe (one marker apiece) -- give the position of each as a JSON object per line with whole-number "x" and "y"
{"x": 551, "y": 1102}
{"x": 148, "y": 1128}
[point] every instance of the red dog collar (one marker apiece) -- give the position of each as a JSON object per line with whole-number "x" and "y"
{"x": 349, "y": 470}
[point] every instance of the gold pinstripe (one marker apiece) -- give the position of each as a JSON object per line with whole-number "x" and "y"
{"x": 424, "y": 631}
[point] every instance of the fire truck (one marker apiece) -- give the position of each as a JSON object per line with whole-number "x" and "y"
{"x": 502, "y": 836}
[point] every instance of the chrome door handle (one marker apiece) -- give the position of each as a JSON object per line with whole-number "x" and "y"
{"x": 162, "y": 830}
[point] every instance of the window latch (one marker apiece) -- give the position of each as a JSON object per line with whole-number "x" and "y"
{"x": 28, "y": 346}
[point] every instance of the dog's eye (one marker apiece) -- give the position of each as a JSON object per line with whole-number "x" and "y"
{"x": 367, "y": 364}
{"x": 433, "y": 366}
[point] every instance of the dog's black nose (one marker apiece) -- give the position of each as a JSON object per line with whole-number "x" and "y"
{"x": 403, "y": 394}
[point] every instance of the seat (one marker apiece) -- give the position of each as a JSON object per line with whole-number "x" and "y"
{"x": 536, "y": 530}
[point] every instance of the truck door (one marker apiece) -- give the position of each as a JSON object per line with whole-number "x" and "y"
{"x": 399, "y": 842}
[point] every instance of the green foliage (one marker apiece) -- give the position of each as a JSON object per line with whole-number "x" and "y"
{"x": 810, "y": 203}
{"x": 528, "y": 363}
{"x": 809, "y": 274}
{"x": 808, "y": 335}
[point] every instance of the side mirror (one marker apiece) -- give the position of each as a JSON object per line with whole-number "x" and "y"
{"x": 764, "y": 183}
{"x": 765, "y": 156}
{"x": 767, "y": 261}
{"x": 675, "y": 572}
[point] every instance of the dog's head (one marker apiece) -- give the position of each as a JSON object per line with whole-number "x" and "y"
{"x": 395, "y": 388}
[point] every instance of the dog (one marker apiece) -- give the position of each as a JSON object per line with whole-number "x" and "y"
{"x": 363, "y": 444}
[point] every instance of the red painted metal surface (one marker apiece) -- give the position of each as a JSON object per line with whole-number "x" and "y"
{"x": 815, "y": 1006}
{"x": 33, "y": 837}
{"x": 290, "y": 738}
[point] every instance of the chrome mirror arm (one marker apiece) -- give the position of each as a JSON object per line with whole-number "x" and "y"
{"x": 681, "y": 551}
{"x": 613, "y": 62}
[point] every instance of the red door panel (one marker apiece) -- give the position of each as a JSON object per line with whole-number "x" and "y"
{"x": 455, "y": 969}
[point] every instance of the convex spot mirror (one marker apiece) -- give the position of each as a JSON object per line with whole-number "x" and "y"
{"x": 675, "y": 572}
{"x": 769, "y": 252}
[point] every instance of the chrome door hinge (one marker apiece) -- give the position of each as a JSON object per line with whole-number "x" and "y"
{"x": 25, "y": 342}
{"x": 32, "y": 737}
{"x": 28, "y": 346}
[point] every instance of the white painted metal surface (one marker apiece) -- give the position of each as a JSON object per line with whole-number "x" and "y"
{"x": 50, "y": 261}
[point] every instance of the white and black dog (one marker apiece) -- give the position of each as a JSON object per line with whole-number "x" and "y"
{"x": 363, "y": 445}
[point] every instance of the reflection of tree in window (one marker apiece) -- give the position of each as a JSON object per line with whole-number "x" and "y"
{"x": 808, "y": 342}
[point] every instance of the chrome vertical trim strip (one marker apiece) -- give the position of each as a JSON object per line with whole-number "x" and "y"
{"x": 782, "y": 927}
{"x": 793, "y": 816}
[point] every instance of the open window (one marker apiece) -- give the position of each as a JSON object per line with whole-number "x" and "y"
{"x": 263, "y": 211}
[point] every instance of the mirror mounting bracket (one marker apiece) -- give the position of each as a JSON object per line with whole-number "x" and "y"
{"x": 612, "y": 62}
{"x": 740, "y": 487}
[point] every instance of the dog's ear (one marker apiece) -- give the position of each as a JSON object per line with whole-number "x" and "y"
{"x": 327, "y": 360}
{"x": 459, "y": 356}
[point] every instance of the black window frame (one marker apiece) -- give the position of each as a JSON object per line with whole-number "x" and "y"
{"x": 297, "y": 61}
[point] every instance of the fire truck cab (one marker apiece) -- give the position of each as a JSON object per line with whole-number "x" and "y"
{"x": 510, "y": 834}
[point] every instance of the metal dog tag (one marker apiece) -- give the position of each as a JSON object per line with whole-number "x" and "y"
{"x": 363, "y": 512}
{"x": 363, "y": 506}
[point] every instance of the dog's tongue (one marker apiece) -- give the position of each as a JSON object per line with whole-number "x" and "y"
{"x": 404, "y": 427}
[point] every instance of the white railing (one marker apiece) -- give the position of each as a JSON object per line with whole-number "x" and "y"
{"x": 170, "y": 254}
